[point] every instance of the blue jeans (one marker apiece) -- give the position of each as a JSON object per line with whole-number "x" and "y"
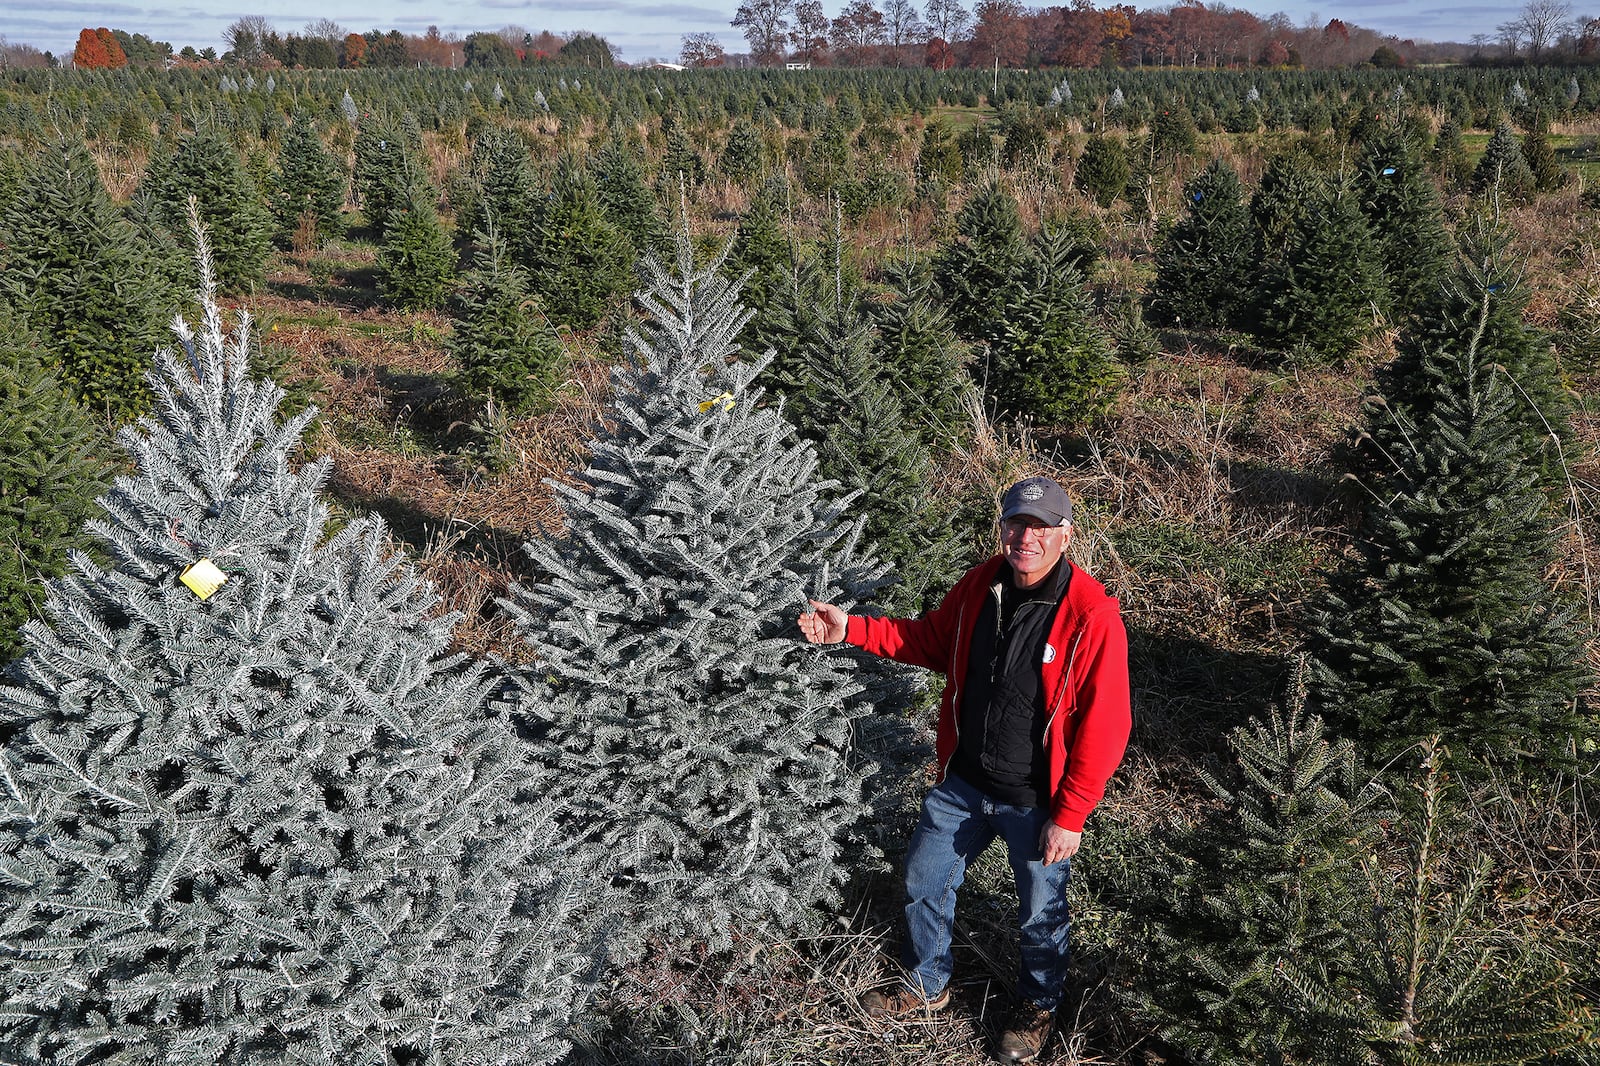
{"x": 958, "y": 822}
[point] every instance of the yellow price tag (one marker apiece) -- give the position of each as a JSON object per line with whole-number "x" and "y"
{"x": 726, "y": 400}
{"x": 203, "y": 578}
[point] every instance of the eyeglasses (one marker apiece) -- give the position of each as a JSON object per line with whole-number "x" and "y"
{"x": 1017, "y": 527}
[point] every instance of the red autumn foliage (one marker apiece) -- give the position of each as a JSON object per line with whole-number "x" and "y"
{"x": 119, "y": 58}
{"x": 98, "y": 50}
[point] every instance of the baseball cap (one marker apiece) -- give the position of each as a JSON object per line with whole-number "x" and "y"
{"x": 1040, "y": 497}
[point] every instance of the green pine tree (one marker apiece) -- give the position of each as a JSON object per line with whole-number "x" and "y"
{"x": 503, "y": 346}
{"x": 206, "y": 167}
{"x": 1445, "y": 623}
{"x": 1290, "y": 191}
{"x": 939, "y": 162}
{"x": 849, "y": 406}
{"x": 1172, "y": 132}
{"x": 681, "y": 166}
{"x": 51, "y": 470}
{"x": 504, "y": 187}
{"x": 744, "y": 158}
{"x": 709, "y": 750}
{"x": 918, "y": 352}
{"x": 625, "y": 197}
{"x": 1548, "y": 173}
{"x": 269, "y": 819}
{"x": 1431, "y": 977}
{"x": 1103, "y": 169}
{"x": 827, "y": 163}
{"x": 1330, "y": 285}
{"x": 762, "y": 255}
{"x": 1485, "y": 290}
{"x": 164, "y": 250}
{"x": 1267, "y": 877}
{"x": 307, "y": 181}
{"x": 1051, "y": 362}
{"x": 580, "y": 264}
{"x": 1448, "y": 160}
{"x": 387, "y": 167}
{"x": 796, "y": 311}
{"x": 1502, "y": 170}
{"x": 416, "y": 262}
{"x": 76, "y": 275}
{"x": 979, "y": 271}
{"x": 1205, "y": 265}
{"x": 1401, "y": 205}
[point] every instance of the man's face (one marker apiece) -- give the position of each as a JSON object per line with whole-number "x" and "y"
{"x": 1032, "y": 547}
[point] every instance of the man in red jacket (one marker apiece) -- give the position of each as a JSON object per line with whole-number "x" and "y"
{"x": 1033, "y": 722}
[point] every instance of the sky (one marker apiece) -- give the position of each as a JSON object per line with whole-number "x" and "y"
{"x": 642, "y": 29}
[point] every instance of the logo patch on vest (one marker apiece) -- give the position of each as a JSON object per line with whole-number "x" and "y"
{"x": 1049, "y": 653}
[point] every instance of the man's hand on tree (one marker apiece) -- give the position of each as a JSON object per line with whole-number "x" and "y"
{"x": 824, "y": 623}
{"x": 1058, "y": 843}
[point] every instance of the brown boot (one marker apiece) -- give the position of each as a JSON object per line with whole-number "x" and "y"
{"x": 1026, "y": 1030}
{"x": 901, "y": 1003}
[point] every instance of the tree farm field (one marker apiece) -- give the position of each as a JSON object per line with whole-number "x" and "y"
{"x": 1202, "y": 301}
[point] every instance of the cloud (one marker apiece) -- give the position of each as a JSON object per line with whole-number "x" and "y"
{"x": 622, "y": 7}
{"x": 102, "y": 13}
{"x": 683, "y": 11}
{"x": 1396, "y": 17}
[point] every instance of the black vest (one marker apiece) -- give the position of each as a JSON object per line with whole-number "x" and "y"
{"x": 1000, "y": 750}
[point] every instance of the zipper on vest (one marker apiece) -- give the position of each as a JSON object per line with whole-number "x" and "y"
{"x": 1066, "y": 682}
{"x": 955, "y": 692}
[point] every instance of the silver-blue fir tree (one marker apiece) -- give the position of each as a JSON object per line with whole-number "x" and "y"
{"x": 277, "y": 823}
{"x": 711, "y": 753}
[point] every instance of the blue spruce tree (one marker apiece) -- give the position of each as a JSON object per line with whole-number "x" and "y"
{"x": 266, "y": 820}
{"x": 710, "y": 752}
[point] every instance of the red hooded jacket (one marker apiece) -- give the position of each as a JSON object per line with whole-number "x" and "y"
{"x": 1085, "y": 675}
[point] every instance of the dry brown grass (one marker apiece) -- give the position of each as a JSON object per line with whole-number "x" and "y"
{"x": 1207, "y": 443}
{"x": 798, "y": 1002}
{"x": 121, "y": 168}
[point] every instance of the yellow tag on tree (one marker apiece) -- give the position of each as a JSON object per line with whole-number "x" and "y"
{"x": 203, "y": 578}
{"x": 726, "y": 400}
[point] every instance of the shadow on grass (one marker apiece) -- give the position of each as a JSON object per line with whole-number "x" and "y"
{"x": 1276, "y": 488}
{"x": 421, "y": 530}
{"x": 1189, "y": 693}
{"x": 431, "y": 401}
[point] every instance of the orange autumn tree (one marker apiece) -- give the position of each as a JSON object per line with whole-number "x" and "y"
{"x": 98, "y": 50}
{"x": 90, "y": 54}
{"x": 113, "y": 48}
